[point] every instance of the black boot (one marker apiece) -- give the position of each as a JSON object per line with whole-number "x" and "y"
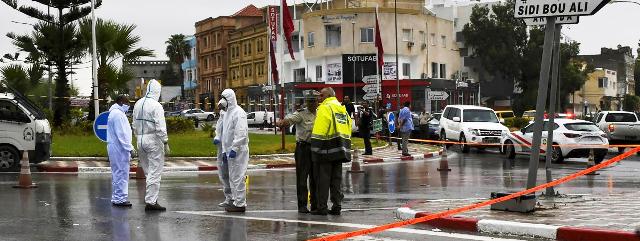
{"x": 234, "y": 209}
{"x": 125, "y": 204}
{"x": 154, "y": 207}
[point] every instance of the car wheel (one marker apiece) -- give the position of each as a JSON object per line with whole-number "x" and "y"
{"x": 556, "y": 154}
{"x": 9, "y": 158}
{"x": 443, "y": 137}
{"x": 210, "y": 118}
{"x": 599, "y": 158}
{"x": 621, "y": 150}
{"x": 464, "y": 147}
{"x": 509, "y": 150}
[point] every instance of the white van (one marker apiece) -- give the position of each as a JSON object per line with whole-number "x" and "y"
{"x": 23, "y": 127}
{"x": 471, "y": 125}
{"x": 257, "y": 118}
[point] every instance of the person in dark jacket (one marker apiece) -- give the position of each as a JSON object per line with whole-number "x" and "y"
{"x": 364, "y": 127}
{"x": 346, "y": 102}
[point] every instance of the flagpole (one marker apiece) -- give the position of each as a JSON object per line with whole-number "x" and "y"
{"x": 395, "y": 12}
{"x": 379, "y": 78}
{"x": 281, "y": 45}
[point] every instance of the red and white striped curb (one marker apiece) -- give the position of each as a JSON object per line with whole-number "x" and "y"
{"x": 529, "y": 230}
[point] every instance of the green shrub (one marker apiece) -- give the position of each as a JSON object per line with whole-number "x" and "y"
{"x": 83, "y": 127}
{"x": 516, "y": 122}
{"x": 179, "y": 125}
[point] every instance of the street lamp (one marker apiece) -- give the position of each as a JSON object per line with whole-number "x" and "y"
{"x": 353, "y": 45}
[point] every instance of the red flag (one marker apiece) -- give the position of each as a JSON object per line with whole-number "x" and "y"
{"x": 274, "y": 65}
{"x": 379, "y": 44}
{"x": 287, "y": 26}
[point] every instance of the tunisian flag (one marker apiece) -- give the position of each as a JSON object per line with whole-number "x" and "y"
{"x": 274, "y": 65}
{"x": 379, "y": 44}
{"x": 287, "y": 26}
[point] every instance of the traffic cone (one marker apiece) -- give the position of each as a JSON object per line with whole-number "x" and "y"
{"x": 139, "y": 172}
{"x": 591, "y": 162}
{"x": 355, "y": 162}
{"x": 24, "y": 181}
{"x": 444, "y": 161}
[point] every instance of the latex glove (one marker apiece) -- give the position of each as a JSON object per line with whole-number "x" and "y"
{"x": 133, "y": 153}
{"x": 167, "y": 150}
{"x": 232, "y": 154}
{"x": 216, "y": 141}
{"x": 224, "y": 157}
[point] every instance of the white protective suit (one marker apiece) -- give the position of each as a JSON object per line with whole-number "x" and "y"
{"x": 223, "y": 164}
{"x": 119, "y": 149}
{"x": 151, "y": 133}
{"x": 233, "y": 136}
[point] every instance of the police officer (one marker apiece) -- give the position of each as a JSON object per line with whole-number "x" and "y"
{"x": 330, "y": 147}
{"x": 303, "y": 120}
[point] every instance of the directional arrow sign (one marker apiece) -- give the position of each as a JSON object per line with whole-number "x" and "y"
{"x": 559, "y": 20}
{"x": 370, "y": 88}
{"x": 100, "y": 126}
{"x": 370, "y": 79}
{"x": 392, "y": 122}
{"x": 437, "y": 95}
{"x": 551, "y": 8}
{"x": 370, "y": 96}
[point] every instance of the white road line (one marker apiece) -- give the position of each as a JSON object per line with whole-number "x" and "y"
{"x": 349, "y": 225}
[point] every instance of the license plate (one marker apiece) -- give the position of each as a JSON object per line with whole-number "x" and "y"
{"x": 591, "y": 139}
{"x": 490, "y": 140}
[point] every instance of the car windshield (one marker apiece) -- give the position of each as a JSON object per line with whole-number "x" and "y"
{"x": 479, "y": 116}
{"x": 251, "y": 116}
{"x": 621, "y": 117}
{"x": 582, "y": 126}
{"x": 437, "y": 116}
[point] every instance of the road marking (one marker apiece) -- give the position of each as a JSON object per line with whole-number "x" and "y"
{"x": 347, "y": 225}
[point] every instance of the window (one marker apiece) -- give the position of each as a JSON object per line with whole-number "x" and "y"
{"x": 443, "y": 71}
{"x": 217, "y": 39}
{"x": 333, "y": 35}
{"x": 406, "y": 70}
{"x": 446, "y": 113}
{"x": 433, "y": 39}
{"x": 260, "y": 45}
{"x": 249, "y": 48}
{"x": 318, "y": 73}
{"x": 480, "y": 116}
{"x": 218, "y": 61}
{"x": 298, "y": 75}
{"x": 455, "y": 113}
{"x": 603, "y": 82}
{"x": 443, "y": 40}
{"x": 423, "y": 37}
{"x": 206, "y": 41}
{"x": 407, "y": 35}
{"x": 11, "y": 112}
{"x": 206, "y": 63}
{"x": 620, "y": 117}
{"x": 434, "y": 70}
{"x": 366, "y": 35}
{"x": 311, "y": 39}
{"x": 250, "y": 71}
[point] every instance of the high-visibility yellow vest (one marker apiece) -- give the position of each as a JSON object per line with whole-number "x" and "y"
{"x": 331, "y": 132}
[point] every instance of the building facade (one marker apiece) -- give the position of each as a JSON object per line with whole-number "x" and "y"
{"x": 598, "y": 93}
{"x": 621, "y": 60}
{"x": 190, "y": 70}
{"x": 212, "y": 41}
{"x": 145, "y": 70}
{"x": 340, "y": 50}
{"x": 248, "y": 69}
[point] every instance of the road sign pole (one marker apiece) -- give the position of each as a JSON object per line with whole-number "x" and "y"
{"x": 543, "y": 86}
{"x": 552, "y": 106}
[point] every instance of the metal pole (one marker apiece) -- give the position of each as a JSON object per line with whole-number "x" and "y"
{"x": 552, "y": 107}
{"x": 379, "y": 78}
{"x": 96, "y": 103}
{"x": 353, "y": 46}
{"x": 49, "y": 67}
{"x": 282, "y": 72}
{"x": 395, "y": 18}
{"x": 543, "y": 87}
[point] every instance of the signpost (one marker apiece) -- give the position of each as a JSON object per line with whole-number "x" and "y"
{"x": 371, "y": 87}
{"x": 100, "y": 126}
{"x": 554, "y": 8}
{"x": 437, "y": 95}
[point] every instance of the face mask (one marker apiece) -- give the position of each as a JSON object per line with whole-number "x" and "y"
{"x": 223, "y": 104}
{"x": 124, "y": 108}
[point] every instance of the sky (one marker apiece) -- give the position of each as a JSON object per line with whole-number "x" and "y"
{"x": 156, "y": 20}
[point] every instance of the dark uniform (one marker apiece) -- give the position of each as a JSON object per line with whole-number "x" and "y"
{"x": 303, "y": 121}
{"x": 366, "y": 120}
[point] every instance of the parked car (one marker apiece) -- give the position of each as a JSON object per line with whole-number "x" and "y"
{"x": 434, "y": 126}
{"x": 256, "y": 118}
{"x": 573, "y": 138}
{"x": 530, "y": 114}
{"x": 172, "y": 113}
{"x": 621, "y": 127}
{"x": 471, "y": 126}
{"x": 505, "y": 115}
{"x": 198, "y": 114}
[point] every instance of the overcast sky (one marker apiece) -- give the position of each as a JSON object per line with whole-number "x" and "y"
{"x": 158, "y": 19}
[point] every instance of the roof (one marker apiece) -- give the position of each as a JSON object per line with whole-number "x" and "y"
{"x": 248, "y": 11}
{"x": 470, "y": 107}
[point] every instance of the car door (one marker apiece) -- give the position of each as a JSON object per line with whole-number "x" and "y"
{"x": 17, "y": 128}
{"x": 456, "y": 127}
{"x": 445, "y": 120}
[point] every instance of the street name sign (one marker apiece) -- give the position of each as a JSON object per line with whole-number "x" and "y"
{"x": 559, "y": 20}
{"x": 370, "y": 79}
{"x": 370, "y": 96}
{"x": 551, "y": 8}
{"x": 370, "y": 88}
{"x": 437, "y": 95}
{"x": 100, "y": 126}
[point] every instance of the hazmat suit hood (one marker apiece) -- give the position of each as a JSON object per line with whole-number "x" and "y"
{"x": 153, "y": 90}
{"x": 230, "y": 96}
{"x": 124, "y": 108}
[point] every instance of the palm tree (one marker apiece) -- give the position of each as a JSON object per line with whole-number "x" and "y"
{"x": 116, "y": 45}
{"x": 60, "y": 40}
{"x": 178, "y": 49}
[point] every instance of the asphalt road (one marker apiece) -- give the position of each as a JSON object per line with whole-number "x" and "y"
{"x": 77, "y": 206}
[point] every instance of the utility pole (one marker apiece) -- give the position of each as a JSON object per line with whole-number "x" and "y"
{"x": 395, "y": 18}
{"x": 96, "y": 103}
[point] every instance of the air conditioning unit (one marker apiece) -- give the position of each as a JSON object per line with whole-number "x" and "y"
{"x": 410, "y": 44}
{"x": 424, "y": 46}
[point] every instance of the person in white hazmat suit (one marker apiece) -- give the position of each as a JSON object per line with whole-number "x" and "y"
{"x": 120, "y": 151}
{"x": 232, "y": 138}
{"x": 152, "y": 139}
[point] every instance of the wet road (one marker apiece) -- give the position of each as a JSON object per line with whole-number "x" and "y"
{"x": 77, "y": 207}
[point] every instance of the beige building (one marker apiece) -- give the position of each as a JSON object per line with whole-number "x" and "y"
{"x": 249, "y": 50}
{"x": 426, "y": 45}
{"x": 597, "y": 93}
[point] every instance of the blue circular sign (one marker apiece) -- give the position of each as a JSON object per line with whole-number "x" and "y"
{"x": 100, "y": 126}
{"x": 392, "y": 122}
